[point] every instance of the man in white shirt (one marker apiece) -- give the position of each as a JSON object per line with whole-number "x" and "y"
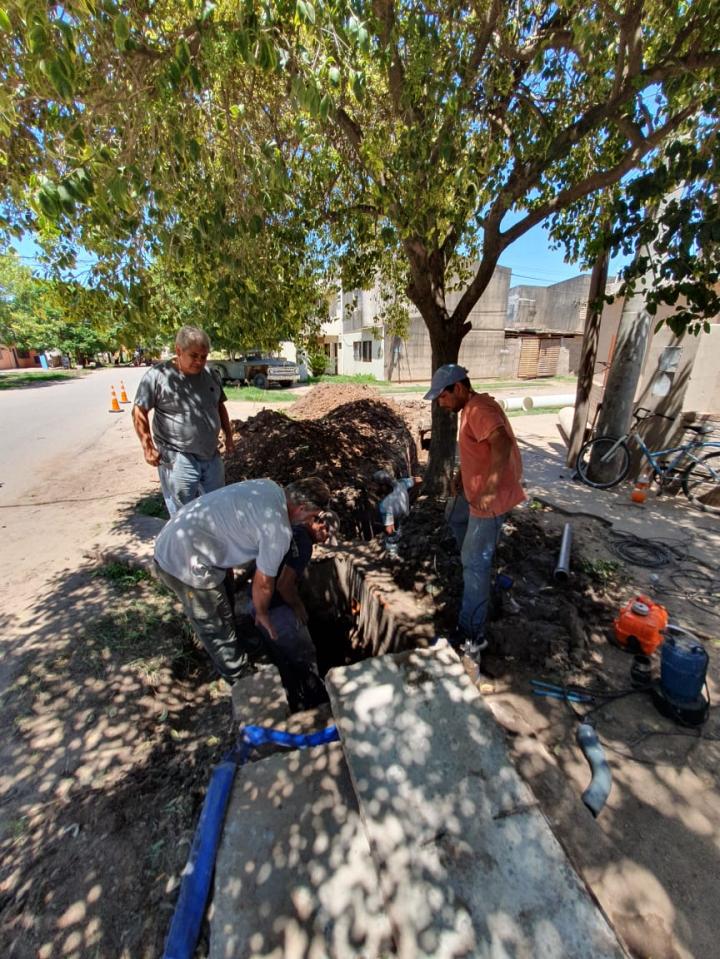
{"x": 204, "y": 540}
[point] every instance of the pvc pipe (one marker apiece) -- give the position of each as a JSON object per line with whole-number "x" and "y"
{"x": 595, "y": 796}
{"x": 562, "y": 570}
{"x": 515, "y": 403}
{"x": 552, "y": 400}
{"x": 197, "y": 874}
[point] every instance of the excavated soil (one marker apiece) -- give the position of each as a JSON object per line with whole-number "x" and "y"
{"x": 344, "y": 446}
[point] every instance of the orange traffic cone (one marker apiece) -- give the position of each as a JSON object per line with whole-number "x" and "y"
{"x": 123, "y": 394}
{"x": 114, "y": 405}
{"x": 642, "y": 485}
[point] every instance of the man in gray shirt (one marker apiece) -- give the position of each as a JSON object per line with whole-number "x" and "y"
{"x": 230, "y": 527}
{"x": 189, "y": 411}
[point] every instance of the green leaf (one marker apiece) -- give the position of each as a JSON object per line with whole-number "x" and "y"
{"x": 121, "y": 30}
{"x": 5, "y": 23}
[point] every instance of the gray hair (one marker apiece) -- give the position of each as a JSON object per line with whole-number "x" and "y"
{"x": 311, "y": 492}
{"x": 187, "y": 335}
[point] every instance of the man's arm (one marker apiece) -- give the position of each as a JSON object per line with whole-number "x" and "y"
{"x": 263, "y": 587}
{"x": 287, "y": 587}
{"x": 500, "y": 450}
{"x": 226, "y": 427}
{"x": 141, "y": 422}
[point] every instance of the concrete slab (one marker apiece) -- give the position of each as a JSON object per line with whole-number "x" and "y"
{"x": 670, "y": 518}
{"x": 259, "y": 698}
{"x": 468, "y": 864}
{"x": 294, "y": 876}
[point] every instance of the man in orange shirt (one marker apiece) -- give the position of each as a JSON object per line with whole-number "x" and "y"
{"x": 488, "y": 486}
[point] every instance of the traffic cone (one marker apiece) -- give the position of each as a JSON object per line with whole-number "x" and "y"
{"x": 123, "y": 394}
{"x": 642, "y": 485}
{"x": 114, "y": 405}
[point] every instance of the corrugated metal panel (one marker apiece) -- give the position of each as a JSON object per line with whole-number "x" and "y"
{"x": 529, "y": 354}
{"x": 548, "y": 358}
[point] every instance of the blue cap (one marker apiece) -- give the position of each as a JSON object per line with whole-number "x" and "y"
{"x": 443, "y": 377}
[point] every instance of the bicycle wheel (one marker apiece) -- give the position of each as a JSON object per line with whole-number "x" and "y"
{"x": 701, "y": 483}
{"x": 598, "y": 467}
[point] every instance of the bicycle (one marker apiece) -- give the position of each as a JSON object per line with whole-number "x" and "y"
{"x": 604, "y": 462}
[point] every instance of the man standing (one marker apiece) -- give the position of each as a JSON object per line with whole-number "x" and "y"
{"x": 189, "y": 411}
{"x": 488, "y": 484}
{"x": 230, "y": 527}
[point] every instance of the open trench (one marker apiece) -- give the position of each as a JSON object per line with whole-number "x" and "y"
{"x": 357, "y": 610}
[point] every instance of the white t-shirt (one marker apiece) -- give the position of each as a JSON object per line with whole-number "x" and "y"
{"x": 396, "y": 504}
{"x": 226, "y": 528}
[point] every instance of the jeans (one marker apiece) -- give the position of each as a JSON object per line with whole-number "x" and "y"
{"x": 184, "y": 476}
{"x": 477, "y": 538}
{"x": 211, "y": 615}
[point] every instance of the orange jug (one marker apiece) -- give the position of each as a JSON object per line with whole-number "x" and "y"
{"x": 639, "y": 626}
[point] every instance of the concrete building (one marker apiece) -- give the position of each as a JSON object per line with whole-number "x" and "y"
{"x": 545, "y": 326}
{"x": 14, "y": 359}
{"x": 357, "y": 337}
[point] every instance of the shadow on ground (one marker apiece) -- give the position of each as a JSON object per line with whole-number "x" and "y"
{"x": 114, "y": 721}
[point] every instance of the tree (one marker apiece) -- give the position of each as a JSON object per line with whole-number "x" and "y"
{"x": 374, "y": 131}
{"x": 39, "y": 314}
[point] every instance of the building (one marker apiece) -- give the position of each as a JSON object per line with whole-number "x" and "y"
{"x": 357, "y": 342}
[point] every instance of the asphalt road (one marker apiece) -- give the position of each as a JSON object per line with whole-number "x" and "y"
{"x": 42, "y": 425}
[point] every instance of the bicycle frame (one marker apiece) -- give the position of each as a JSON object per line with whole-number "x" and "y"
{"x": 686, "y": 451}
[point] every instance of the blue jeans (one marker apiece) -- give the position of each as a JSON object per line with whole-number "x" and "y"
{"x": 477, "y": 538}
{"x": 184, "y": 477}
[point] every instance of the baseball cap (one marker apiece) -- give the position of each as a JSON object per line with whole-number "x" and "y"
{"x": 443, "y": 377}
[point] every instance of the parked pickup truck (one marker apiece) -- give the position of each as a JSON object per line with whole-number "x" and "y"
{"x": 256, "y": 369}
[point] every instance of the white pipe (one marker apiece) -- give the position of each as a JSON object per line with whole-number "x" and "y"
{"x": 554, "y": 401}
{"x": 515, "y": 403}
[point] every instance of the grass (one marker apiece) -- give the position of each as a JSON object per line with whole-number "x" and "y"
{"x": 152, "y": 505}
{"x": 251, "y": 394}
{"x": 13, "y": 381}
{"x": 123, "y": 576}
{"x": 601, "y": 570}
{"x": 366, "y": 378}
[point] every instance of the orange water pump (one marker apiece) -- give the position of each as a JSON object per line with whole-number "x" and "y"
{"x": 639, "y": 626}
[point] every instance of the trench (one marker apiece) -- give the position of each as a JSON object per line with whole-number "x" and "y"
{"x": 356, "y": 610}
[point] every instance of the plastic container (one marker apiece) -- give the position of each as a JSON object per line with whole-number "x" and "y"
{"x": 683, "y": 665}
{"x": 639, "y": 494}
{"x": 640, "y": 624}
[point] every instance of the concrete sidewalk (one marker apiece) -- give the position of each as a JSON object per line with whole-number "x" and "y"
{"x": 671, "y": 519}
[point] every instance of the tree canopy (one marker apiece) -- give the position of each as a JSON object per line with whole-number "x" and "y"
{"x": 240, "y": 149}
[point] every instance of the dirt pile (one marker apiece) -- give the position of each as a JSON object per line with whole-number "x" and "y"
{"x": 326, "y": 397}
{"x": 329, "y": 396}
{"x": 344, "y": 447}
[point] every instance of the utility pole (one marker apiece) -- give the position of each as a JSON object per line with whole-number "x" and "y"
{"x": 596, "y": 292}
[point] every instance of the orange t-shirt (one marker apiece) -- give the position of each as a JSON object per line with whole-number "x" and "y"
{"x": 481, "y": 417}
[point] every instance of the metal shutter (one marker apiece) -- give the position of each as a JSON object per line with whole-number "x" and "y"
{"x": 548, "y": 358}
{"x": 529, "y": 353}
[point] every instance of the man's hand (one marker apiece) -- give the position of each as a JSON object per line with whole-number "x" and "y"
{"x": 152, "y": 456}
{"x": 229, "y": 443}
{"x": 486, "y": 500}
{"x": 263, "y": 620}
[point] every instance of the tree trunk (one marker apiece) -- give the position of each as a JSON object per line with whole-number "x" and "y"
{"x": 443, "y": 439}
{"x": 427, "y": 291}
{"x": 598, "y": 283}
